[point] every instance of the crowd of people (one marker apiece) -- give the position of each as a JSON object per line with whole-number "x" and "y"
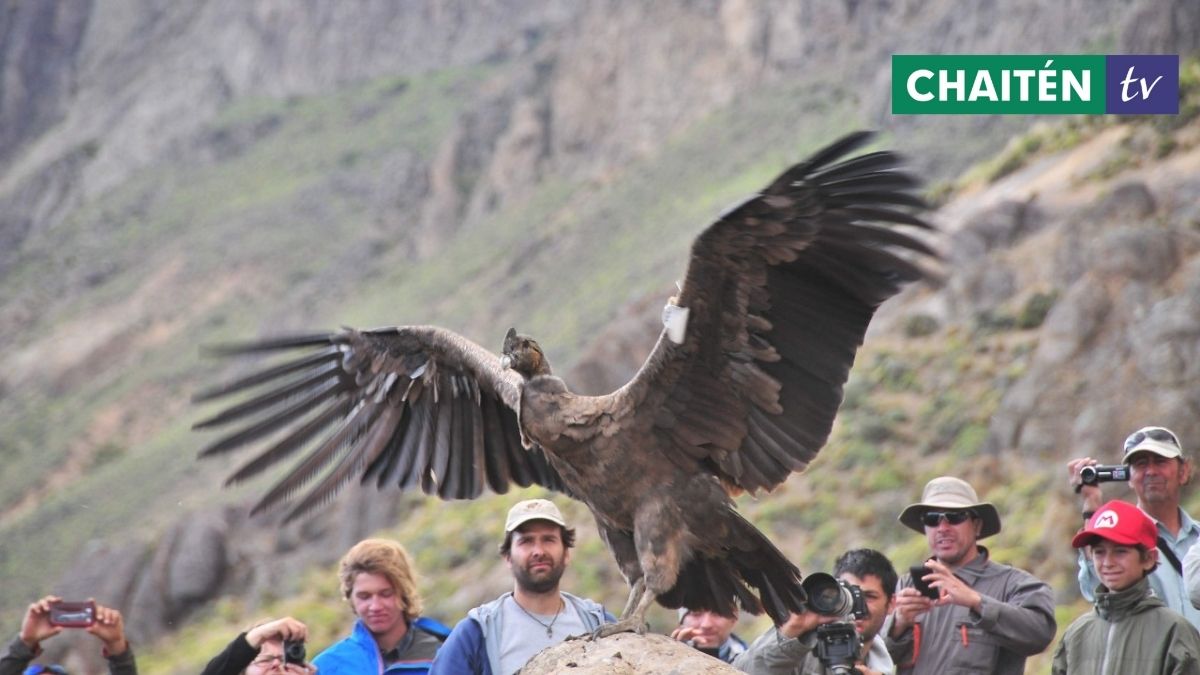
{"x": 959, "y": 612}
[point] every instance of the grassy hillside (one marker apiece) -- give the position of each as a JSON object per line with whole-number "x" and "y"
{"x": 182, "y": 256}
{"x": 267, "y": 236}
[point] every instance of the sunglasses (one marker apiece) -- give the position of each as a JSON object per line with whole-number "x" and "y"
{"x": 37, "y": 669}
{"x": 1153, "y": 433}
{"x": 934, "y": 518}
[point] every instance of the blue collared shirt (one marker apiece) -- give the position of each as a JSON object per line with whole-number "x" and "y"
{"x": 1167, "y": 583}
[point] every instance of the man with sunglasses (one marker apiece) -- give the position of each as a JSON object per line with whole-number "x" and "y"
{"x": 1158, "y": 470}
{"x": 984, "y": 617}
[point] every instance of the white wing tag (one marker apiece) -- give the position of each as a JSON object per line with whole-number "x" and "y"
{"x": 675, "y": 319}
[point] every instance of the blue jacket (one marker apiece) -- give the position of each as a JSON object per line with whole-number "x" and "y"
{"x": 730, "y": 649}
{"x": 358, "y": 654}
{"x": 466, "y": 651}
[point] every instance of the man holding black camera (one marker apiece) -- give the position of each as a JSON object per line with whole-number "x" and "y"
{"x": 43, "y": 620}
{"x": 275, "y": 646}
{"x": 792, "y": 648}
{"x": 980, "y": 616}
{"x": 1157, "y": 472}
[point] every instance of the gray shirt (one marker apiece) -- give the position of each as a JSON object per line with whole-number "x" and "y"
{"x": 522, "y": 635}
{"x": 774, "y": 654}
{"x": 1016, "y": 620}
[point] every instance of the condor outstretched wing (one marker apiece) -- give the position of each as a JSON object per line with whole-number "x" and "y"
{"x": 415, "y": 406}
{"x": 779, "y": 293}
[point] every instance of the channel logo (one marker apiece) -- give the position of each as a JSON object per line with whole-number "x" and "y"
{"x": 1024, "y": 84}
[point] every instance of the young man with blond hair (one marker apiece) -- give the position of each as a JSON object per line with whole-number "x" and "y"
{"x": 389, "y": 634}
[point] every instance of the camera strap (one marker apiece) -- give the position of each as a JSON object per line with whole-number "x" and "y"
{"x": 1166, "y": 551}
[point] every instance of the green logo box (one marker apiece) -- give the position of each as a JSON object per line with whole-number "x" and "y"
{"x": 997, "y": 84}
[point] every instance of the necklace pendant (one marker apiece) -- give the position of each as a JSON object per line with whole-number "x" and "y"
{"x": 549, "y": 631}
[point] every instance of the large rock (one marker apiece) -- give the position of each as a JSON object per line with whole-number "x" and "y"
{"x": 1143, "y": 253}
{"x": 1072, "y": 322}
{"x": 1166, "y": 343}
{"x": 625, "y": 654}
{"x": 1000, "y": 226}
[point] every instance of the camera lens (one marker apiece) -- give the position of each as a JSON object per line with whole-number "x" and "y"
{"x": 1088, "y": 475}
{"x": 293, "y": 651}
{"x": 826, "y": 596}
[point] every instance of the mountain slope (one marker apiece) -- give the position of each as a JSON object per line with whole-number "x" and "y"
{"x": 224, "y": 169}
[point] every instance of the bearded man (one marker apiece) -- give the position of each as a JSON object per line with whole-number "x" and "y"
{"x": 499, "y": 637}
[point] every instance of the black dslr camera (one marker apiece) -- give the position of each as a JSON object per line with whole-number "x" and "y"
{"x": 294, "y": 652}
{"x": 1103, "y": 473}
{"x": 838, "y": 643}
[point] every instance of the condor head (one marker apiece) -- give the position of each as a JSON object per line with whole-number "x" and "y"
{"x": 522, "y": 354}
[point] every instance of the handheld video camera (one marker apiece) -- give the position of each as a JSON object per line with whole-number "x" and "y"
{"x": 838, "y": 643}
{"x": 1103, "y": 473}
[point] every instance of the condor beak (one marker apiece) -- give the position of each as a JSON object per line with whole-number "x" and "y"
{"x": 505, "y": 362}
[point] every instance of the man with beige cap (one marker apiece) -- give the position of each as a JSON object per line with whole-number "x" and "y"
{"x": 498, "y": 637}
{"x": 981, "y": 616}
{"x": 1158, "y": 472}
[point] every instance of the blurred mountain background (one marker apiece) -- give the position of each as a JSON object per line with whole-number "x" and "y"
{"x": 175, "y": 174}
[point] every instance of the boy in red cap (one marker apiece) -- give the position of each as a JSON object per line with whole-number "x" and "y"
{"x": 1130, "y": 630}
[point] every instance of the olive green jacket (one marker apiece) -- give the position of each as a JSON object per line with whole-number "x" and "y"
{"x": 1129, "y": 631}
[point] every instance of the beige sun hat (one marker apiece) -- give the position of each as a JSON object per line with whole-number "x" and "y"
{"x": 533, "y": 509}
{"x": 1158, "y": 440}
{"x": 947, "y": 492}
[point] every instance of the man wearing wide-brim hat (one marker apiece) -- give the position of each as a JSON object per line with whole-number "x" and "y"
{"x": 984, "y": 617}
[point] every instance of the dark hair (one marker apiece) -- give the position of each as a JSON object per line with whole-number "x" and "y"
{"x": 567, "y": 534}
{"x": 863, "y": 561}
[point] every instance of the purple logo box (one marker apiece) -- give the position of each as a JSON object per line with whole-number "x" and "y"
{"x": 1142, "y": 84}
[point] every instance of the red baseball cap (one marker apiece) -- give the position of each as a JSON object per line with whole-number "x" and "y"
{"x": 1121, "y": 523}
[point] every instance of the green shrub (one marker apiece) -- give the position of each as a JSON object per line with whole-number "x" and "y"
{"x": 920, "y": 325}
{"x": 991, "y": 321}
{"x": 1035, "y": 310}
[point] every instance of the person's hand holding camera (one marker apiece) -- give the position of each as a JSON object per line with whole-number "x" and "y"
{"x": 909, "y": 603}
{"x": 36, "y": 626}
{"x": 286, "y": 629}
{"x": 109, "y": 627}
{"x": 1092, "y": 495}
{"x": 803, "y": 623}
{"x": 292, "y": 633}
{"x": 952, "y": 590}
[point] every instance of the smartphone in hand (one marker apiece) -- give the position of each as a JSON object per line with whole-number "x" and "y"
{"x": 918, "y": 573}
{"x": 72, "y": 614}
